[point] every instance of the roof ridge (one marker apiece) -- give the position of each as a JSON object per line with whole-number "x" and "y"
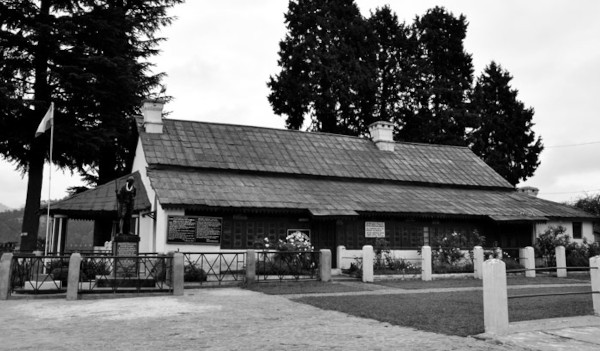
{"x": 313, "y": 133}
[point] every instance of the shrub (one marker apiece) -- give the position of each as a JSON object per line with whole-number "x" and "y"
{"x": 193, "y": 273}
{"x": 546, "y": 243}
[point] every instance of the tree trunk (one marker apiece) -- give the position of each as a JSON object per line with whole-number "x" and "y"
{"x": 31, "y": 216}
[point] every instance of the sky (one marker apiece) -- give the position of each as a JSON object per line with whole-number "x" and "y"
{"x": 219, "y": 55}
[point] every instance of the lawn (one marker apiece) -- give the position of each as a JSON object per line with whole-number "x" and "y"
{"x": 451, "y": 313}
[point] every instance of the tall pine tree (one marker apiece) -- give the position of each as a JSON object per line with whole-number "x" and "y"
{"x": 89, "y": 58}
{"x": 443, "y": 81}
{"x": 395, "y": 63}
{"x": 504, "y": 137}
{"x": 326, "y": 68}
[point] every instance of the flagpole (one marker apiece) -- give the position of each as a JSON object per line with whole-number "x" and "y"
{"x": 50, "y": 182}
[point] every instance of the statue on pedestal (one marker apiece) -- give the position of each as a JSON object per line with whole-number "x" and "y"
{"x": 126, "y": 202}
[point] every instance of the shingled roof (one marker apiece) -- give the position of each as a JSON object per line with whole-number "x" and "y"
{"x": 189, "y": 188}
{"x": 293, "y": 153}
{"x": 101, "y": 201}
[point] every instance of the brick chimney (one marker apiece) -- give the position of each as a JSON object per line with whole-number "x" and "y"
{"x": 152, "y": 112}
{"x": 382, "y": 134}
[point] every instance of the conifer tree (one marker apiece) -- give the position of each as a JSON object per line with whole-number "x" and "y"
{"x": 504, "y": 137}
{"x": 445, "y": 75}
{"x": 395, "y": 66}
{"x": 326, "y": 68}
{"x": 89, "y": 58}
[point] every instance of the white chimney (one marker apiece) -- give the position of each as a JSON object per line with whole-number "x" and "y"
{"x": 382, "y": 134}
{"x": 152, "y": 112}
{"x": 529, "y": 190}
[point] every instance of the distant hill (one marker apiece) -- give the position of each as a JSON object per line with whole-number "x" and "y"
{"x": 4, "y": 208}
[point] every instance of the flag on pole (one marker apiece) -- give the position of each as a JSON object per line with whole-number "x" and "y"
{"x": 46, "y": 122}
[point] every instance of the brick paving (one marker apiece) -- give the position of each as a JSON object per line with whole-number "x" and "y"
{"x": 206, "y": 319}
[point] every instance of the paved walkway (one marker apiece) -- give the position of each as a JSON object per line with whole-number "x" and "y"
{"x": 236, "y": 319}
{"x": 212, "y": 319}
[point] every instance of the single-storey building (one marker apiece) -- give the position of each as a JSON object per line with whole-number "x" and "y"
{"x": 209, "y": 186}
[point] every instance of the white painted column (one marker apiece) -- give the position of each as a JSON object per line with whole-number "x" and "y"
{"x": 495, "y": 298}
{"x": 478, "y": 262}
{"x": 529, "y": 262}
{"x": 367, "y": 264}
{"x": 426, "y": 270}
{"x": 340, "y": 251}
{"x": 595, "y": 278}
{"x": 325, "y": 265}
{"x": 561, "y": 261}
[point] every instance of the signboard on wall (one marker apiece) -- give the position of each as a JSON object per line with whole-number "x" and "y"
{"x": 374, "y": 229}
{"x": 194, "y": 230}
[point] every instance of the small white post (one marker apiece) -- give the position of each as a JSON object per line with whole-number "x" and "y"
{"x": 561, "y": 261}
{"x": 426, "y": 271}
{"x": 250, "y": 267}
{"x": 495, "y": 299}
{"x": 325, "y": 265}
{"x": 339, "y": 260}
{"x": 367, "y": 264}
{"x": 73, "y": 276}
{"x": 595, "y": 278}
{"x": 478, "y": 262}
{"x": 529, "y": 262}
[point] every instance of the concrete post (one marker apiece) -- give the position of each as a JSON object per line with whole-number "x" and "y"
{"x": 340, "y": 252}
{"x": 426, "y": 270}
{"x": 495, "y": 300}
{"x": 73, "y": 279}
{"x": 499, "y": 253}
{"x": 250, "y": 267}
{"x": 367, "y": 264}
{"x": 595, "y": 278}
{"x": 325, "y": 265}
{"x": 561, "y": 261}
{"x": 178, "y": 274}
{"x": 478, "y": 262}
{"x": 529, "y": 262}
{"x": 5, "y": 271}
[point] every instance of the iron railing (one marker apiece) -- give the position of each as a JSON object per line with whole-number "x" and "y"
{"x": 214, "y": 268}
{"x": 39, "y": 274}
{"x": 148, "y": 273}
{"x": 287, "y": 265}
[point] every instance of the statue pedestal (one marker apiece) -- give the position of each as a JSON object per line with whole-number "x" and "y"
{"x": 127, "y": 246}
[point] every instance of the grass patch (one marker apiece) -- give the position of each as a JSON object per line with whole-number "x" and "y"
{"x": 305, "y": 287}
{"x": 470, "y": 283}
{"x": 452, "y": 313}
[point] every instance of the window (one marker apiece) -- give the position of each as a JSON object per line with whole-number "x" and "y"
{"x": 577, "y": 230}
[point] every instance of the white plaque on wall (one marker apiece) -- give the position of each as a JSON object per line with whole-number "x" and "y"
{"x": 374, "y": 229}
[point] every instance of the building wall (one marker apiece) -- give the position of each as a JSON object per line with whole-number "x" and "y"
{"x": 587, "y": 230}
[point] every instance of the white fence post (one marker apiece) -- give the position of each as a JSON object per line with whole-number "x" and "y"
{"x": 478, "y": 262}
{"x": 529, "y": 262}
{"x": 250, "y": 266}
{"x": 5, "y": 286}
{"x": 595, "y": 278}
{"x": 178, "y": 274}
{"x": 339, "y": 260}
{"x": 561, "y": 261}
{"x": 495, "y": 298}
{"x": 367, "y": 264}
{"x": 325, "y": 265}
{"x": 73, "y": 276}
{"x": 426, "y": 271}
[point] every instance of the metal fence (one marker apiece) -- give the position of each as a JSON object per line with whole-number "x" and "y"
{"x": 214, "y": 268}
{"x": 287, "y": 265}
{"x": 146, "y": 273}
{"x": 39, "y": 274}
